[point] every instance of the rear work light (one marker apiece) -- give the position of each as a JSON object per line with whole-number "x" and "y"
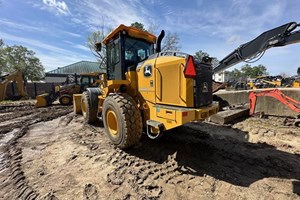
{"x": 190, "y": 68}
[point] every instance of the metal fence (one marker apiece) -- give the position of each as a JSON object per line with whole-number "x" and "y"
{"x": 33, "y": 89}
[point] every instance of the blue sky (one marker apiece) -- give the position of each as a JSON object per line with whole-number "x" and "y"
{"x": 57, "y": 29}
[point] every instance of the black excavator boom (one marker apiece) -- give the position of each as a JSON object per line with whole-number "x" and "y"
{"x": 254, "y": 49}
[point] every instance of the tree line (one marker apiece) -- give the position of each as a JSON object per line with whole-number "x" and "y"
{"x": 19, "y": 58}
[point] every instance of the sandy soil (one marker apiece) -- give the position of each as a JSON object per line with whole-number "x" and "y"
{"x": 49, "y": 153}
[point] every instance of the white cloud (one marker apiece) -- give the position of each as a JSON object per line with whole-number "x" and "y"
{"x": 50, "y": 56}
{"x": 59, "y": 7}
{"x": 37, "y": 28}
{"x": 93, "y": 14}
{"x": 234, "y": 39}
{"x": 84, "y": 48}
{"x": 243, "y": 18}
{"x": 72, "y": 34}
{"x": 20, "y": 26}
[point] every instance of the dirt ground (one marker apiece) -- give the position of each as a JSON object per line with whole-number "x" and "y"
{"x": 49, "y": 153}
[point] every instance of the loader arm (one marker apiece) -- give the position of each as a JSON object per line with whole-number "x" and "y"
{"x": 254, "y": 49}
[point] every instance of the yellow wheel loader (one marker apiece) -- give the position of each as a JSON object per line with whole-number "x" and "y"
{"x": 64, "y": 93}
{"x": 146, "y": 89}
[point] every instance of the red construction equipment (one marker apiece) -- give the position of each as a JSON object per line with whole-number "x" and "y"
{"x": 277, "y": 94}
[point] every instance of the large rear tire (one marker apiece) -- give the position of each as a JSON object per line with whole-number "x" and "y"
{"x": 122, "y": 120}
{"x": 89, "y": 113}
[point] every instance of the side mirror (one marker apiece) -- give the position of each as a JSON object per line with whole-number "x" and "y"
{"x": 98, "y": 46}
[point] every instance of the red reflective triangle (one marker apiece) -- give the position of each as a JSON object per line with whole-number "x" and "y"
{"x": 190, "y": 70}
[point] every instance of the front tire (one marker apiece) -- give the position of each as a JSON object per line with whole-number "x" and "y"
{"x": 122, "y": 120}
{"x": 89, "y": 113}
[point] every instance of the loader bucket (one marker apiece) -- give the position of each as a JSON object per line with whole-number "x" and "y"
{"x": 77, "y": 103}
{"x": 41, "y": 100}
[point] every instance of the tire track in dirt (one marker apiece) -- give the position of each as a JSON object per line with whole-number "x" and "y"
{"x": 18, "y": 118}
{"x": 187, "y": 163}
{"x": 186, "y": 154}
{"x": 11, "y": 155}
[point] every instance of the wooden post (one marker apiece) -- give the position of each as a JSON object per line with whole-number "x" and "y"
{"x": 35, "y": 90}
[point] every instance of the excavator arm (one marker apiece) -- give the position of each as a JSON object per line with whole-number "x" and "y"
{"x": 254, "y": 49}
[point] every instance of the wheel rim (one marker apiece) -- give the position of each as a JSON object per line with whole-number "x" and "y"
{"x": 65, "y": 100}
{"x": 112, "y": 123}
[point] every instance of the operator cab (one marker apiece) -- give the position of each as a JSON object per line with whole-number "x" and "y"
{"x": 125, "y": 48}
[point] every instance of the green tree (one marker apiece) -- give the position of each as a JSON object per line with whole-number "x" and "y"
{"x": 253, "y": 72}
{"x": 19, "y": 58}
{"x": 236, "y": 74}
{"x": 200, "y": 54}
{"x": 138, "y": 25}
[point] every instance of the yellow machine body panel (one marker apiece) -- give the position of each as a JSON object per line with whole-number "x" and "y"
{"x": 77, "y": 103}
{"x": 167, "y": 84}
{"x": 167, "y": 96}
{"x": 146, "y": 85}
{"x": 296, "y": 84}
{"x": 172, "y": 88}
{"x": 172, "y": 116}
{"x": 41, "y": 100}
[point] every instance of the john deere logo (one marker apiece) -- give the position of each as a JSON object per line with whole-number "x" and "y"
{"x": 205, "y": 87}
{"x": 148, "y": 71}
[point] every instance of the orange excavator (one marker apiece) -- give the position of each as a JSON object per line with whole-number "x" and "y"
{"x": 277, "y": 94}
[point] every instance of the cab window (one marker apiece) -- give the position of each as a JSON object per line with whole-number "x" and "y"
{"x": 137, "y": 50}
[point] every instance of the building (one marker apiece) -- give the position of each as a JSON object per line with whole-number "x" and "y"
{"x": 223, "y": 76}
{"x": 60, "y": 74}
